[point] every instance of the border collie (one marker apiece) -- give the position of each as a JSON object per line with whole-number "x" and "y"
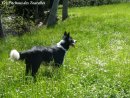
{"x": 38, "y": 54}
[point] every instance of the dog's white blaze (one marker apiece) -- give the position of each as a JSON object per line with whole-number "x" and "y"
{"x": 62, "y": 41}
{"x": 59, "y": 45}
{"x": 14, "y": 54}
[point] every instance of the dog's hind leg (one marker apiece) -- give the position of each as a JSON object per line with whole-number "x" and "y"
{"x": 35, "y": 67}
{"x": 28, "y": 68}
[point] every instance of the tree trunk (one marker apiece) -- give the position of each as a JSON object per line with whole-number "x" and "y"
{"x": 52, "y": 19}
{"x": 36, "y": 13}
{"x": 51, "y": 3}
{"x": 1, "y": 29}
{"x": 65, "y": 9}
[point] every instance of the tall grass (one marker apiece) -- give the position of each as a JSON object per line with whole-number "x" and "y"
{"x": 97, "y": 67}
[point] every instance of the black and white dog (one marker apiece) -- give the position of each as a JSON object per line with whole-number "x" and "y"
{"x": 35, "y": 56}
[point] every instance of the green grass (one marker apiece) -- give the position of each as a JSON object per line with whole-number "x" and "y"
{"x": 98, "y": 67}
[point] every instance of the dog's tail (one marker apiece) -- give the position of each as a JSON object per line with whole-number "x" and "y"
{"x": 14, "y": 54}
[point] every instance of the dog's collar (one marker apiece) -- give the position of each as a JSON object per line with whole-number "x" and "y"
{"x": 60, "y": 46}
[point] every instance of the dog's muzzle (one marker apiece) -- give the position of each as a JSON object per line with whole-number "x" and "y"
{"x": 74, "y": 42}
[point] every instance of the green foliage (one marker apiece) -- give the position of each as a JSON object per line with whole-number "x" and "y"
{"x": 31, "y": 11}
{"x": 16, "y": 25}
{"x": 93, "y": 2}
{"x": 6, "y": 8}
{"x": 12, "y": 23}
{"x": 98, "y": 66}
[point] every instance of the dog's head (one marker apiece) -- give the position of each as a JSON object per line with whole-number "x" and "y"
{"x": 67, "y": 41}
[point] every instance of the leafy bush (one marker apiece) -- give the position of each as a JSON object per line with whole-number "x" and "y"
{"x": 93, "y": 2}
{"x": 16, "y": 25}
{"x": 31, "y": 11}
{"x": 12, "y": 23}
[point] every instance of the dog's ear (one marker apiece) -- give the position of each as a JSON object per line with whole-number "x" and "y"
{"x": 65, "y": 33}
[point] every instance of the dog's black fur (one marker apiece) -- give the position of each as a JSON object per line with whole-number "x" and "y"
{"x": 35, "y": 56}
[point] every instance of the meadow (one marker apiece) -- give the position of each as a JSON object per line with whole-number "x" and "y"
{"x": 97, "y": 67}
